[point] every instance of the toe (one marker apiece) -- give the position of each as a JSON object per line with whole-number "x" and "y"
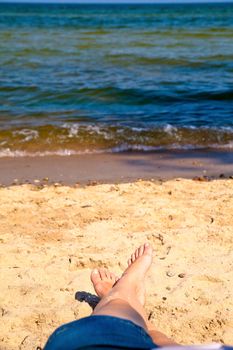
{"x": 147, "y": 249}
{"x": 141, "y": 250}
{"x": 137, "y": 253}
{"x": 112, "y": 276}
{"x": 102, "y": 274}
{"x": 95, "y": 276}
{"x": 107, "y": 274}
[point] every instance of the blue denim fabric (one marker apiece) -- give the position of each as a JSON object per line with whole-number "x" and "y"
{"x": 95, "y": 331}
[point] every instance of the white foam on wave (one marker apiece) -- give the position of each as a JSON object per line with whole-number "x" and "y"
{"x": 28, "y": 134}
{"x": 170, "y": 129}
{"x": 75, "y": 128}
{"x": 7, "y": 152}
{"x": 65, "y": 152}
{"x": 116, "y": 133}
{"x": 226, "y": 146}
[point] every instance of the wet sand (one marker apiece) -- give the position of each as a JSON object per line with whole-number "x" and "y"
{"x": 52, "y": 236}
{"x": 122, "y": 167}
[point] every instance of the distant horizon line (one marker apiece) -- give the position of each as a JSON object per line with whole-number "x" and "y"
{"x": 70, "y": 2}
{"x": 117, "y": 2}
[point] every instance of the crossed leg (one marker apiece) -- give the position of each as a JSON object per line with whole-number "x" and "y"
{"x": 125, "y": 297}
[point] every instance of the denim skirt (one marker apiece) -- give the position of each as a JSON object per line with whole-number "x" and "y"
{"x": 99, "y": 332}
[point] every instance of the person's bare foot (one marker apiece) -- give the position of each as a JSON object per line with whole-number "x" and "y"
{"x": 141, "y": 260}
{"x": 138, "y": 265}
{"x": 103, "y": 281}
{"x": 134, "y": 276}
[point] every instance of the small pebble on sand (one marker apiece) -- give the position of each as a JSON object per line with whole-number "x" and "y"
{"x": 170, "y": 274}
{"x": 182, "y": 275}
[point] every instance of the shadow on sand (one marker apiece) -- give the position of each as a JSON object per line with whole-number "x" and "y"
{"x": 89, "y": 298}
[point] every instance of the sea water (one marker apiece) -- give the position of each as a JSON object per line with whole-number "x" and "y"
{"x": 113, "y": 78}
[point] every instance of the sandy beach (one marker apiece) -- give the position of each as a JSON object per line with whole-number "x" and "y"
{"x": 116, "y": 129}
{"x": 52, "y": 236}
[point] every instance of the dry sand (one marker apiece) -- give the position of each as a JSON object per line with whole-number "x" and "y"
{"x": 52, "y": 237}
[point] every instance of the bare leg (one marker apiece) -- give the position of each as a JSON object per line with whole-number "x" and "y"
{"x": 125, "y": 297}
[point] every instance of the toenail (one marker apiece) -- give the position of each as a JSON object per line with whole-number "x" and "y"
{"x": 95, "y": 271}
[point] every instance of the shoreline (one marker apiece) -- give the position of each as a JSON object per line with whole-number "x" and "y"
{"x": 119, "y": 167}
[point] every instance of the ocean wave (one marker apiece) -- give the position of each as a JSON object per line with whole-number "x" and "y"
{"x": 78, "y": 138}
{"x": 6, "y": 152}
{"x": 124, "y": 95}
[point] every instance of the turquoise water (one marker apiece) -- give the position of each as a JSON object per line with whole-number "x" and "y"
{"x": 110, "y": 78}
